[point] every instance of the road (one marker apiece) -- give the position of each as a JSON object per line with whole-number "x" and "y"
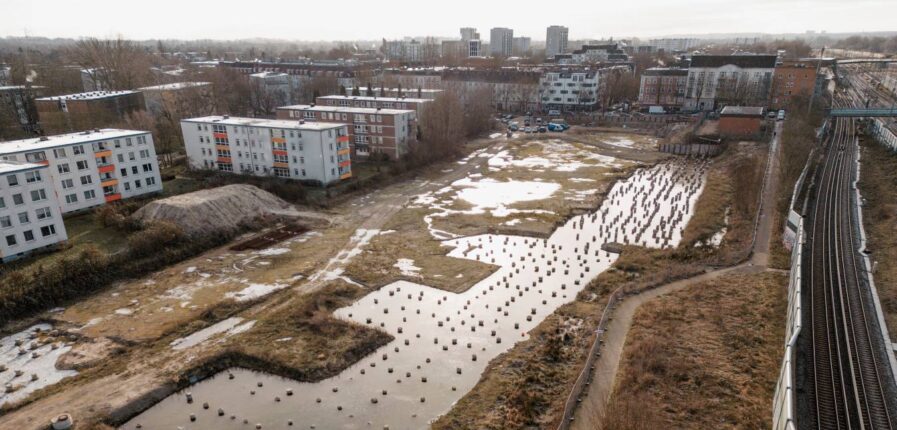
{"x": 606, "y": 367}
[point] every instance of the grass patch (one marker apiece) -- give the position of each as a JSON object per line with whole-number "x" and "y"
{"x": 703, "y": 357}
{"x": 878, "y": 180}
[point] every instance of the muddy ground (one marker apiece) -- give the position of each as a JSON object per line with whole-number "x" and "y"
{"x": 374, "y": 239}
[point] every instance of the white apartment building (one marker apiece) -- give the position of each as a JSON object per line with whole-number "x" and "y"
{"x": 30, "y": 217}
{"x": 501, "y": 42}
{"x": 570, "y": 90}
{"x": 474, "y": 48}
{"x": 556, "y": 40}
{"x": 718, "y": 80}
{"x": 92, "y": 168}
{"x": 308, "y": 151}
{"x": 416, "y": 92}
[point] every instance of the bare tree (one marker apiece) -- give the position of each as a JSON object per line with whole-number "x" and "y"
{"x": 442, "y": 125}
{"x": 115, "y": 64}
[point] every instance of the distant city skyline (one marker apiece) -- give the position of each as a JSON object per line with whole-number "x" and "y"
{"x": 290, "y": 20}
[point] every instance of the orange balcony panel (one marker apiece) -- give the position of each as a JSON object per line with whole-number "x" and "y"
{"x": 344, "y": 151}
{"x": 101, "y": 154}
{"x": 222, "y": 147}
{"x": 113, "y": 197}
{"x": 220, "y": 135}
{"x": 226, "y": 160}
{"x": 280, "y": 152}
{"x": 44, "y": 162}
{"x": 109, "y": 168}
{"x": 345, "y": 163}
{"x": 342, "y": 139}
{"x": 109, "y": 183}
{"x": 281, "y": 165}
{"x": 278, "y": 140}
{"x": 346, "y": 175}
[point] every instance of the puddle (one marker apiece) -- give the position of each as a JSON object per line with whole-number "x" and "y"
{"x": 444, "y": 341}
{"x": 35, "y": 355}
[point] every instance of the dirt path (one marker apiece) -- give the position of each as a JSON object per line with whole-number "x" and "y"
{"x": 604, "y": 376}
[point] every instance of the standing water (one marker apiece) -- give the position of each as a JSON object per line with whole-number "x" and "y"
{"x": 444, "y": 341}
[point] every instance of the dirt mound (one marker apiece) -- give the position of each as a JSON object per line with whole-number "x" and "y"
{"x": 218, "y": 209}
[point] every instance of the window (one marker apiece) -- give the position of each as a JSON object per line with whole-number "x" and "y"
{"x": 117, "y": 143}
{"x": 137, "y": 182}
{"x": 38, "y": 195}
{"x": 124, "y": 171}
{"x": 48, "y": 230}
{"x": 131, "y": 156}
{"x": 35, "y": 157}
{"x": 31, "y": 177}
{"x": 59, "y": 152}
{"x": 121, "y": 158}
{"x": 63, "y": 168}
{"x": 17, "y": 199}
{"x": 5, "y": 222}
{"x": 152, "y": 181}
{"x": 43, "y": 213}
{"x": 148, "y": 167}
{"x": 78, "y": 149}
{"x": 134, "y": 169}
{"x": 11, "y": 240}
{"x": 127, "y": 186}
{"x": 82, "y": 165}
{"x": 12, "y": 180}
{"x": 2, "y": 203}
{"x": 29, "y": 235}
{"x": 87, "y": 179}
{"x": 67, "y": 183}
{"x": 71, "y": 199}
{"x": 90, "y": 195}
{"x": 23, "y": 218}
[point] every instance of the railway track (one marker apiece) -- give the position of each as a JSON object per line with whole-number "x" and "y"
{"x": 846, "y": 377}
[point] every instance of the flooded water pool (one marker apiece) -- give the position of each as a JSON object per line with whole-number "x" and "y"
{"x": 444, "y": 341}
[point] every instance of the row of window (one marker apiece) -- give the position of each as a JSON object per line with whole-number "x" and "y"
{"x": 25, "y": 218}
{"x": 18, "y": 199}
{"x": 30, "y": 177}
{"x": 28, "y": 235}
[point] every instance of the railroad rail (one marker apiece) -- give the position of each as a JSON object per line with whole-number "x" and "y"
{"x": 846, "y": 378}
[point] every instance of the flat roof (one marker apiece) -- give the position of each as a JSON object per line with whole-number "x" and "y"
{"x": 406, "y": 90}
{"x": 741, "y": 111}
{"x": 375, "y": 98}
{"x": 346, "y": 109}
{"x": 18, "y": 87}
{"x": 13, "y": 166}
{"x": 48, "y": 142}
{"x": 92, "y": 95}
{"x": 261, "y": 122}
{"x": 174, "y": 86}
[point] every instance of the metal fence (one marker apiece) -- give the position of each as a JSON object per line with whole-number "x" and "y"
{"x": 783, "y": 409}
{"x": 883, "y": 134}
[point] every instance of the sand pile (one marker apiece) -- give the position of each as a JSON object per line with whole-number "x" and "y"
{"x": 218, "y": 209}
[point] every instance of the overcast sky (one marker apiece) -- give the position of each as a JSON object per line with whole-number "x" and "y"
{"x": 355, "y": 19}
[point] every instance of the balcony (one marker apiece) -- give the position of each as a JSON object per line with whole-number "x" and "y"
{"x": 281, "y": 164}
{"x": 345, "y": 163}
{"x": 343, "y": 139}
{"x": 280, "y": 152}
{"x": 101, "y": 154}
{"x": 226, "y": 160}
{"x": 343, "y": 151}
{"x": 346, "y": 175}
{"x": 111, "y": 182}
{"x": 220, "y": 135}
{"x": 278, "y": 140}
{"x": 112, "y": 197}
{"x": 106, "y": 168}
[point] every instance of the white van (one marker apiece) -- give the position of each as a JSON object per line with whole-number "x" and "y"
{"x": 781, "y": 116}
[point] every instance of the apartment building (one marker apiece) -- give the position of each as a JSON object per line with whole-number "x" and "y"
{"x": 30, "y": 217}
{"x": 272, "y": 89}
{"x": 520, "y": 46}
{"x": 510, "y": 90}
{"x": 373, "y": 102}
{"x": 606, "y": 53}
{"x": 556, "y": 40}
{"x": 176, "y": 96}
{"x": 416, "y": 92}
{"x": 794, "y": 78}
{"x": 83, "y": 110}
{"x": 17, "y": 104}
{"x": 663, "y": 87}
{"x": 469, "y": 33}
{"x": 306, "y": 151}
{"x": 371, "y": 131}
{"x": 718, "y": 80}
{"x": 346, "y": 73}
{"x": 571, "y": 90}
{"x": 501, "y": 41}
{"x": 92, "y": 168}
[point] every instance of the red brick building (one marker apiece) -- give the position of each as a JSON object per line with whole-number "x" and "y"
{"x": 792, "y": 78}
{"x": 740, "y": 121}
{"x": 81, "y": 111}
{"x": 373, "y": 102}
{"x": 371, "y": 130}
{"x": 664, "y": 87}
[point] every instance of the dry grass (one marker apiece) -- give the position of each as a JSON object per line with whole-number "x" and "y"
{"x": 878, "y": 180}
{"x": 734, "y": 183}
{"x": 703, "y": 357}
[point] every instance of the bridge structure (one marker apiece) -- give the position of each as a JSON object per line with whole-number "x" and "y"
{"x": 863, "y": 112}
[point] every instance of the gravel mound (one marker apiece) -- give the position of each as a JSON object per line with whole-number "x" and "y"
{"x": 218, "y": 209}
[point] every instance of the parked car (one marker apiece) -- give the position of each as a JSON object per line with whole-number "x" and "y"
{"x": 526, "y": 123}
{"x": 552, "y": 126}
{"x": 771, "y": 114}
{"x": 528, "y": 130}
{"x": 542, "y": 129}
{"x": 781, "y": 116}
{"x": 513, "y": 127}
{"x": 538, "y": 120}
